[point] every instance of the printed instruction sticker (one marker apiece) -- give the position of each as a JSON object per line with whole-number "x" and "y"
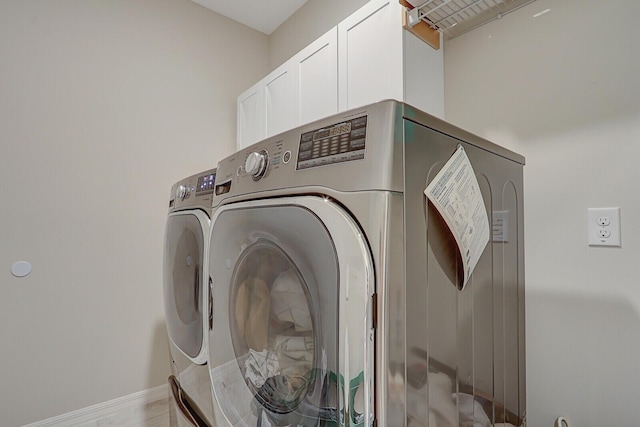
{"x": 455, "y": 193}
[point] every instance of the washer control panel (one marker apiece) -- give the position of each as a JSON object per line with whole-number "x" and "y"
{"x": 270, "y": 163}
{"x": 337, "y": 143}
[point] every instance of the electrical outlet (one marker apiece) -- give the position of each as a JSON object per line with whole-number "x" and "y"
{"x": 603, "y": 233}
{"x": 603, "y": 226}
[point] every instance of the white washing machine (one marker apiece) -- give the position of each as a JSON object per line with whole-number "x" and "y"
{"x": 336, "y": 286}
{"x": 186, "y": 291}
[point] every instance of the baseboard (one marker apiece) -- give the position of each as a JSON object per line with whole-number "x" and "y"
{"x": 133, "y": 409}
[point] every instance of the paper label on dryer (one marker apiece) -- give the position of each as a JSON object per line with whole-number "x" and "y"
{"x": 455, "y": 193}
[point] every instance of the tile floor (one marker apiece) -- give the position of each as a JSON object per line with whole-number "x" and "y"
{"x": 158, "y": 413}
{"x": 154, "y": 414}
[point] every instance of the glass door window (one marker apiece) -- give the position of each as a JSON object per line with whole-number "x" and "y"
{"x": 183, "y": 287}
{"x": 281, "y": 281}
{"x": 272, "y": 325}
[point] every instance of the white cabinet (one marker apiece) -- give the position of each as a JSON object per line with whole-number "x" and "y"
{"x": 380, "y": 60}
{"x": 317, "y": 67}
{"x": 250, "y": 116}
{"x": 280, "y": 99}
{"x": 303, "y": 89}
{"x": 368, "y": 57}
{"x": 268, "y": 107}
{"x": 370, "y": 49}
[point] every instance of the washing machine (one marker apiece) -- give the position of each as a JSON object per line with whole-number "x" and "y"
{"x": 186, "y": 291}
{"x": 339, "y": 296}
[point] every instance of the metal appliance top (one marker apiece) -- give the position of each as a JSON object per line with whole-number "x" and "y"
{"x": 357, "y": 150}
{"x": 193, "y": 192}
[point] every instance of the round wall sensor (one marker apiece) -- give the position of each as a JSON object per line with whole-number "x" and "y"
{"x": 21, "y": 268}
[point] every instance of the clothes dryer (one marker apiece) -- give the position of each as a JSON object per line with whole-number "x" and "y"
{"x": 336, "y": 285}
{"x": 186, "y": 290}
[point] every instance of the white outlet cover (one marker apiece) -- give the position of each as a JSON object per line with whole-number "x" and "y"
{"x": 594, "y": 229}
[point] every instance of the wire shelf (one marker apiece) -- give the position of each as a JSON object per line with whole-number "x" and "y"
{"x": 456, "y": 17}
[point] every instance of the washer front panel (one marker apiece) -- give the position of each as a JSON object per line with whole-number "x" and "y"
{"x": 291, "y": 342}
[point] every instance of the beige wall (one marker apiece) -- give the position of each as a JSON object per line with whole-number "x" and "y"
{"x": 563, "y": 90}
{"x": 311, "y": 21}
{"x": 103, "y": 105}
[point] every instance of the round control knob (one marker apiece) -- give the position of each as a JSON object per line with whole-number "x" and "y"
{"x": 256, "y": 163}
{"x": 182, "y": 191}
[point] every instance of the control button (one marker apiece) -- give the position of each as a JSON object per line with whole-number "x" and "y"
{"x": 359, "y": 122}
{"x": 304, "y": 155}
{"x": 256, "y": 164}
{"x": 356, "y": 155}
{"x": 306, "y": 146}
{"x": 358, "y": 133}
{"x": 239, "y": 171}
{"x": 358, "y": 143}
{"x": 286, "y": 157}
{"x": 306, "y": 137}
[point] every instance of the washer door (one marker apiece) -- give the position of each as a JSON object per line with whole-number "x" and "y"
{"x": 184, "y": 290}
{"x": 292, "y": 341}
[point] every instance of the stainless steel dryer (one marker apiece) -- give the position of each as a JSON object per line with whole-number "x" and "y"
{"x": 336, "y": 294}
{"x": 186, "y": 276}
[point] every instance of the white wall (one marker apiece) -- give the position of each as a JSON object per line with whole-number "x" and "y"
{"x": 103, "y": 105}
{"x": 563, "y": 90}
{"x": 312, "y": 20}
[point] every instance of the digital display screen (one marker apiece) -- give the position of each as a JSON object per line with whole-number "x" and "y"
{"x": 335, "y": 130}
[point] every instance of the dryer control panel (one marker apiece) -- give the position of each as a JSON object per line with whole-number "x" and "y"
{"x": 194, "y": 191}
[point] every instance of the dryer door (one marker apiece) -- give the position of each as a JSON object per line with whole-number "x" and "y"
{"x": 184, "y": 290}
{"x": 292, "y": 338}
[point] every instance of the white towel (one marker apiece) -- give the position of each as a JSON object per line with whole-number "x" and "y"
{"x": 441, "y": 411}
{"x": 471, "y": 412}
{"x": 289, "y": 302}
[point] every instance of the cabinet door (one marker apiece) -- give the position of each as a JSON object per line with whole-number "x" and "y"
{"x": 370, "y": 54}
{"x": 250, "y": 116}
{"x": 281, "y": 99}
{"x": 317, "y": 68}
